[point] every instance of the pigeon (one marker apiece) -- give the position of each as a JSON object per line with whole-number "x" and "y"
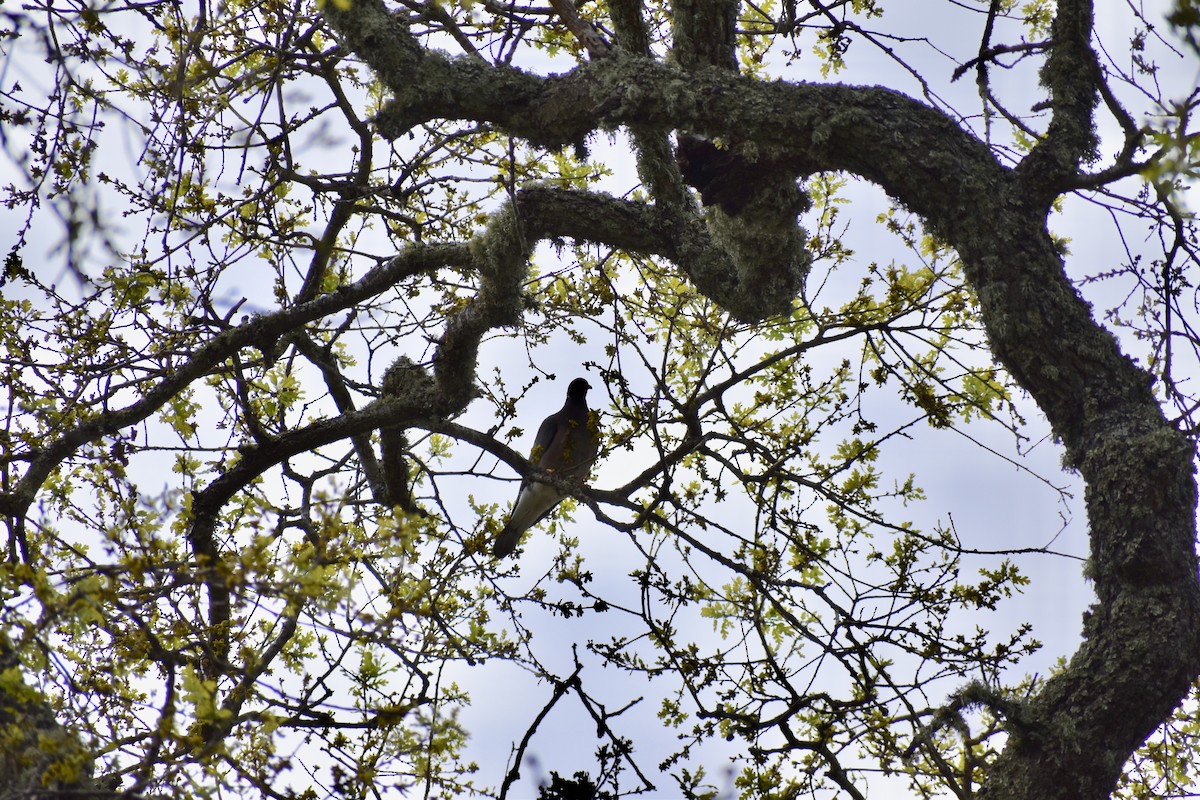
{"x": 566, "y": 445}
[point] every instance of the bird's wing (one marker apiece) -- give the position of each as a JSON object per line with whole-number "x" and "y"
{"x": 548, "y": 444}
{"x": 580, "y": 444}
{"x": 534, "y": 500}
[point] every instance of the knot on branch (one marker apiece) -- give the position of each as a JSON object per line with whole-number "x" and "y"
{"x": 407, "y": 381}
{"x": 751, "y": 206}
{"x": 500, "y": 256}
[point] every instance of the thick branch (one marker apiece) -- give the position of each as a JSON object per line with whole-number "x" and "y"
{"x": 705, "y": 33}
{"x": 1069, "y": 73}
{"x": 1141, "y": 502}
{"x": 803, "y": 126}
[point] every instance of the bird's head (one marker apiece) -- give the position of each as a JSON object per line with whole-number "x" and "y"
{"x": 578, "y": 390}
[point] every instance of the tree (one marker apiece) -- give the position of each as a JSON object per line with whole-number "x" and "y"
{"x": 248, "y": 448}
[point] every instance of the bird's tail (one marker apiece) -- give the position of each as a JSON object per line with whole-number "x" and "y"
{"x": 506, "y": 542}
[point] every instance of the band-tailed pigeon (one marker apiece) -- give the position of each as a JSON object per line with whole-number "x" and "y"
{"x": 566, "y": 445}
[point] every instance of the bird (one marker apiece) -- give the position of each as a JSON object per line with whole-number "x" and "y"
{"x": 566, "y": 444}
